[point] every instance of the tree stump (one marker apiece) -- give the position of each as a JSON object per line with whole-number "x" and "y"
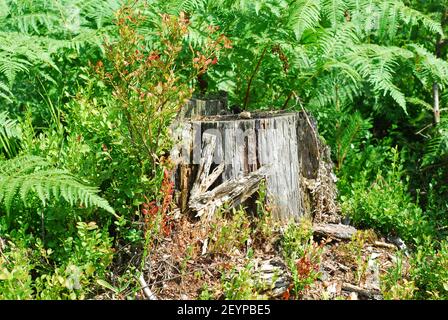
{"x": 211, "y": 106}
{"x": 284, "y": 144}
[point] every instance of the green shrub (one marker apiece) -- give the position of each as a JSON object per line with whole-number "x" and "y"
{"x": 385, "y": 204}
{"x": 30, "y": 271}
{"x": 295, "y": 238}
{"x": 229, "y": 231}
{"x": 15, "y": 272}
{"x": 429, "y": 269}
{"x": 302, "y": 255}
{"x": 242, "y": 284}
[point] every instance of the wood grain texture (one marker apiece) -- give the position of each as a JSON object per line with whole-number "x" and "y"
{"x": 339, "y": 231}
{"x": 285, "y": 143}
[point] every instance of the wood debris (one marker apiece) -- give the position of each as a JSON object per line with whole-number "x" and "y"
{"x": 338, "y": 231}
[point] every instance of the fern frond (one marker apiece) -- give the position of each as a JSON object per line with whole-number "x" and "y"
{"x": 419, "y": 102}
{"x": 385, "y": 17}
{"x": 5, "y": 92}
{"x": 19, "y": 51}
{"x": 334, "y": 44}
{"x": 377, "y": 64}
{"x": 192, "y": 5}
{"x": 35, "y": 22}
{"x": 437, "y": 147}
{"x": 429, "y": 68}
{"x": 304, "y": 14}
{"x": 334, "y": 10}
{"x": 348, "y": 132}
{"x": 414, "y": 17}
{"x": 4, "y": 8}
{"x": 10, "y": 66}
{"x": 9, "y": 133}
{"x": 25, "y": 176}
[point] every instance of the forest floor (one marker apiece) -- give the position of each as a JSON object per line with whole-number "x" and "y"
{"x": 195, "y": 262}
{"x": 352, "y": 270}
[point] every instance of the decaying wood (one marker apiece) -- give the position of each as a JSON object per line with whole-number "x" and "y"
{"x": 273, "y": 273}
{"x": 198, "y": 107}
{"x": 232, "y": 192}
{"x": 287, "y": 142}
{"x": 386, "y": 245}
{"x": 203, "y": 182}
{"x": 367, "y": 294}
{"x": 338, "y": 231}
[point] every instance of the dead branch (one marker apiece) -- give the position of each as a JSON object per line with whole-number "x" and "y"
{"x": 338, "y": 231}
{"x": 146, "y": 290}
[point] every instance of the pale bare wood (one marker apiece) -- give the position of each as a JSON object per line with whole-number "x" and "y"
{"x": 339, "y": 231}
{"x": 368, "y": 294}
{"x": 274, "y": 274}
{"x": 148, "y": 293}
{"x": 208, "y": 150}
{"x": 213, "y": 176}
{"x": 284, "y": 141}
{"x": 199, "y": 107}
{"x": 232, "y": 192}
{"x": 385, "y": 245}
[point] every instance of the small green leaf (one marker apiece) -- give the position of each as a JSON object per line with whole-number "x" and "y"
{"x": 445, "y": 286}
{"x": 106, "y": 285}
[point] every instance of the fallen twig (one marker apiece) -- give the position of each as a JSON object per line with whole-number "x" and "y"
{"x": 339, "y": 231}
{"x": 352, "y": 288}
{"x": 384, "y": 245}
{"x": 148, "y": 293}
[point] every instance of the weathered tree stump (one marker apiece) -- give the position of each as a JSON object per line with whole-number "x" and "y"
{"x": 286, "y": 145}
{"x": 211, "y": 106}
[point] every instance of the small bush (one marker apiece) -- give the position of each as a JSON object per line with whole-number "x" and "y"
{"x": 302, "y": 255}
{"x": 394, "y": 283}
{"x": 385, "y": 204}
{"x": 227, "y": 234}
{"x": 15, "y": 273}
{"x": 242, "y": 284}
{"x": 429, "y": 269}
{"x": 34, "y": 272}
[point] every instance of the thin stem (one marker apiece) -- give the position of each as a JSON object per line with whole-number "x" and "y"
{"x": 287, "y": 100}
{"x": 246, "y": 98}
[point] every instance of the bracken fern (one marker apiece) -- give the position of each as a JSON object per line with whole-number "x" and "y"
{"x": 26, "y": 176}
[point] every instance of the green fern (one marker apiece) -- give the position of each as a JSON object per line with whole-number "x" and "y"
{"x": 348, "y": 133}
{"x": 25, "y": 176}
{"x": 437, "y": 147}
{"x": 33, "y": 32}
{"x": 304, "y": 14}
{"x": 377, "y": 65}
{"x": 335, "y": 11}
{"x": 9, "y": 134}
{"x": 5, "y": 93}
{"x": 429, "y": 68}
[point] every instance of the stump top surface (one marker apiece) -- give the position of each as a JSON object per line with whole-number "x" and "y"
{"x": 240, "y": 117}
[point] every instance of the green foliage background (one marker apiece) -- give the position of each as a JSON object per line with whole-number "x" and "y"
{"x": 365, "y": 70}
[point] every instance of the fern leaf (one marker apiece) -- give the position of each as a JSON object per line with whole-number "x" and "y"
{"x": 377, "y": 65}
{"x": 350, "y": 130}
{"x": 24, "y": 176}
{"x": 413, "y": 17}
{"x": 419, "y": 102}
{"x": 334, "y": 10}
{"x": 4, "y": 8}
{"x": 9, "y": 133}
{"x": 429, "y": 68}
{"x": 304, "y": 14}
{"x": 5, "y": 92}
